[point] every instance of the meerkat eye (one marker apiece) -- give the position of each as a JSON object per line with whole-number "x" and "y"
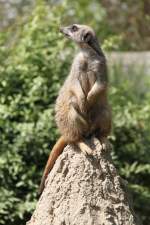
{"x": 74, "y": 28}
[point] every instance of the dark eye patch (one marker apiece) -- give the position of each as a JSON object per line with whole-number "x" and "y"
{"x": 74, "y": 28}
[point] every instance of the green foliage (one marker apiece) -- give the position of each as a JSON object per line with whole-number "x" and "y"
{"x": 131, "y": 143}
{"x": 29, "y": 82}
{"x": 130, "y": 21}
{"x": 31, "y": 72}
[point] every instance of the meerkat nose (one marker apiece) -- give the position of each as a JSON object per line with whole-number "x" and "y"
{"x": 61, "y": 29}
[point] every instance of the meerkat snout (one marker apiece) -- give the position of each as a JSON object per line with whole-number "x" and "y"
{"x": 66, "y": 31}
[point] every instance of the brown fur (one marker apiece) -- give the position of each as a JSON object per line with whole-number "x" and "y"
{"x": 85, "y": 87}
{"x": 81, "y": 107}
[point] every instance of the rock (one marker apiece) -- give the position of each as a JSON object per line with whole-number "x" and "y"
{"x": 84, "y": 190}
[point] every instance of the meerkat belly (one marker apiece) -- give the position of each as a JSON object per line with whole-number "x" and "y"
{"x": 99, "y": 116}
{"x": 67, "y": 118}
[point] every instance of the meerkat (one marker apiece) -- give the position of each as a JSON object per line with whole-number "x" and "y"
{"x": 82, "y": 107}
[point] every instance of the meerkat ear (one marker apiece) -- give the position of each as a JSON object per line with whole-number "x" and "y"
{"x": 87, "y": 37}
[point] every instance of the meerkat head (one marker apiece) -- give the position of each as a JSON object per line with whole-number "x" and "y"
{"x": 78, "y": 33}
{"x": 83, "y": 35}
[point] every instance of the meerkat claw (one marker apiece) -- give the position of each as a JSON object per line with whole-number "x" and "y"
{"x": 105, "y": 144}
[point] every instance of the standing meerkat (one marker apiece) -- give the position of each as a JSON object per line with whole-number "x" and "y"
{"x": 81, "y": 107}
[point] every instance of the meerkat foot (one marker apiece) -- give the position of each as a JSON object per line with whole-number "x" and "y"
{"x": 104, "y": 147}
{"x": 85, "y": 148}
{"x": 104, "y": 143}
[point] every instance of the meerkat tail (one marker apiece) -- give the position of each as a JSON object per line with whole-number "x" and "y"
{"x": 84, "y": 148}
{"x": 56, "y": 151}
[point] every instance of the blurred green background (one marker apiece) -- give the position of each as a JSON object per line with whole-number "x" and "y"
{"x": 34, "y": 61}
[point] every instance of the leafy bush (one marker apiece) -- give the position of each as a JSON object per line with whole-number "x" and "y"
{"x": 130, "y": 139}
{"x": 129, "y": 20}
{"x": 31, "y": 72}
